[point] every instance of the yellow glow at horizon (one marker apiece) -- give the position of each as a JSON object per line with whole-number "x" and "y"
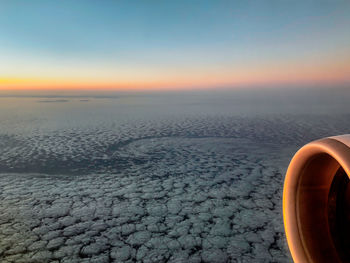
{"x": 331, "y": 69}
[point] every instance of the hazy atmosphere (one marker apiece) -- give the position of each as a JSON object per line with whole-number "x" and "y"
{"x": 161, "y": 131}
{"x": 178, "y": 177}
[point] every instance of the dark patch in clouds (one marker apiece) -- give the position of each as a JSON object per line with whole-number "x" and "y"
{"x": 52, "y": 101}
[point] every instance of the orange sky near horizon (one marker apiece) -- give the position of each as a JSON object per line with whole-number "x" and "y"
{"x": 173, "y": 45}
{"x": 287, "y": 73}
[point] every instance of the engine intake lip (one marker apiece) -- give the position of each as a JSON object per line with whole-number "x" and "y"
{"x": 316, "y": 200}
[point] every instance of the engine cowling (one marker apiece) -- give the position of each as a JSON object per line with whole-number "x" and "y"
{"x": 316, "y": 201}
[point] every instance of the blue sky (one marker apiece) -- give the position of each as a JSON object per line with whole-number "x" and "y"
{"x": 146, "y": 39}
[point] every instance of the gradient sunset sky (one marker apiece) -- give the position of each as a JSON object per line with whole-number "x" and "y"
{"x": 173, "y": 44}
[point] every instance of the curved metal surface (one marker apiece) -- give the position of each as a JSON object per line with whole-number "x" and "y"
{"x": 306, "y": 199}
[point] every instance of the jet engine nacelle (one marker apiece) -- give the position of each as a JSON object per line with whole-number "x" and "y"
{"x": 316, "y": 201}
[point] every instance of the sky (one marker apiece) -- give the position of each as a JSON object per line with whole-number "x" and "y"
{"x": 179, "y": 44}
